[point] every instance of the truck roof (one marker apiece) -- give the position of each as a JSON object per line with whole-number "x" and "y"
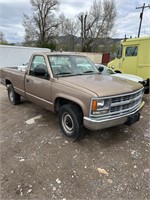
{"x": 136, "y": 39}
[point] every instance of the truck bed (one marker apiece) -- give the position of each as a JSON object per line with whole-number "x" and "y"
{"x": 15, "y": 76}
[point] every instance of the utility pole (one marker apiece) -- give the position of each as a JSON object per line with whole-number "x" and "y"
{"x": 141, "y": 16}
{"x": 83, "y": 31}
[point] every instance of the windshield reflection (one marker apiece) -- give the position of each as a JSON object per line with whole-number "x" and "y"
{"x": 69, "y": 65}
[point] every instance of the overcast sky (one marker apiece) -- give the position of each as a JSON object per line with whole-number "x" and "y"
{"x": 11, "y": 16}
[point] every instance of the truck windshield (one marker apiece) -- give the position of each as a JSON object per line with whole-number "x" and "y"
{"x": 119, "y": 52}
{"x": 70, "y": 65}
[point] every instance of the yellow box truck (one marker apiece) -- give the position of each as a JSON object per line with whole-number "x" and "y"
{"x": 133, "y": 57}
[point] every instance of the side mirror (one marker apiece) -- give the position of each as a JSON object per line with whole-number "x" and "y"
{"x": 39, "y": 72}
{"x": 100, "y": 69}
{"x": 115, "y": 55}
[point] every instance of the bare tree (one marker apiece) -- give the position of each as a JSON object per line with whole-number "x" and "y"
{"x": 69, "y": 28}
{"x": 2, "y": 38}
{"x": 41, "y": 27}
{"x": 30, "y": 32}
{"x": 97, "y": 23}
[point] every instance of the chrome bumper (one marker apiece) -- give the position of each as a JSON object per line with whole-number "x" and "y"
{"x": 97, "y": 124}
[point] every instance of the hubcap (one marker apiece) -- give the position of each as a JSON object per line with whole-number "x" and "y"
{"x": 67, "y": 123}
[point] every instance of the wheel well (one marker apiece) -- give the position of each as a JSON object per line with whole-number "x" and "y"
{"x": 8, "y": 82}
{"x": 62, "y": 101}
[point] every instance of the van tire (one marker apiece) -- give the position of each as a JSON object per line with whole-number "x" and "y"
{"x": 71, "y": 122}
{"x": 117, "y": 71}
{"x": 14, "y": 97}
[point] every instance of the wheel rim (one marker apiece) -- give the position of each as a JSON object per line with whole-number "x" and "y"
{"x": 67, "y": 123}
{"x": 11, "y": 96}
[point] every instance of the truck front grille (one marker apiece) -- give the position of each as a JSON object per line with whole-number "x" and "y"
{"x": 124, "y": 104}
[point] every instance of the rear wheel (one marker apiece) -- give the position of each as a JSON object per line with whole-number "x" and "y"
{"x": 71, "y": 122}
{"x": 13, "y": 96}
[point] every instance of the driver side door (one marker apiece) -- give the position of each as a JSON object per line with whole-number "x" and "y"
{"x": 38, "y": 88}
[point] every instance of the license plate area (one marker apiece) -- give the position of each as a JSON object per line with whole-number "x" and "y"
{"x": 132, "y": 119}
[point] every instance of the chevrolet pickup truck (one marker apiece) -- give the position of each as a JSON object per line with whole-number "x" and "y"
{"x": 71, "y": 86}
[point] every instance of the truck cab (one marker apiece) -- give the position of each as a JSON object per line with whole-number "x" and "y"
{"x": 133, "y": 58}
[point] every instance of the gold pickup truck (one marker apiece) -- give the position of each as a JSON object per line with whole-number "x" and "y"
{"x": 71, "y": 86}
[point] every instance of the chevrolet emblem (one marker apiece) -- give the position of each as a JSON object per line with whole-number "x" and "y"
{"x": 132, "y": 100}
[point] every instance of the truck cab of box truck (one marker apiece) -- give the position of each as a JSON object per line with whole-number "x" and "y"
{"x": 133, "y": 57}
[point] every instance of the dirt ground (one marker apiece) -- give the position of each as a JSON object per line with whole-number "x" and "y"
{"x": 38, "y": 163}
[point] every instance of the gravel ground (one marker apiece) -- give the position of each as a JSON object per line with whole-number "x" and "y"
{"x": 38, "y": 163}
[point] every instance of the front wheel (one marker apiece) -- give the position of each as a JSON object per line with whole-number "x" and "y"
{"x": 117, "y": 71}
{"x": 71, "y": 122}
{"x": 13, "y": 96}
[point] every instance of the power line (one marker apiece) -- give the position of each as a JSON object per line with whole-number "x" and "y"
{"x": 141, "y": 16}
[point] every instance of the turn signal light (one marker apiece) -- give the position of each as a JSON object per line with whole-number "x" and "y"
{"x": 94, "y": 105}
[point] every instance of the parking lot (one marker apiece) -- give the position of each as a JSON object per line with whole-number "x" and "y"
{"x": 37, "y": 162}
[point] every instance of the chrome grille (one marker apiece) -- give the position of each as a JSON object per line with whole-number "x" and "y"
{"x": 124, "y": 104}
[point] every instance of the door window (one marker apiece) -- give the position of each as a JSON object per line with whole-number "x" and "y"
{"x": 131, "y": 51}
{"x": 38, "y": 67}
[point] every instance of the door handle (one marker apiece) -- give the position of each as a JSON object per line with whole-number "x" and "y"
{"x": 29, "y": 80}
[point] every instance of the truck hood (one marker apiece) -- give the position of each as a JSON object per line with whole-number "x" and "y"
{"x": 101, "y": 85}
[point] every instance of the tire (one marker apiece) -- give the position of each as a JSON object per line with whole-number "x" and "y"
{"x": 71, "y": 122}
{"x": 146, "y": 91}
{"x": 117, "y": 71}
{"x": 146, "y": 86}
{"x": 14, "y": 98}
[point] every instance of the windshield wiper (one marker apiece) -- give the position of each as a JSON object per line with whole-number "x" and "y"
{"x": 90, "y": 71}
{"x": 62, "y": 73}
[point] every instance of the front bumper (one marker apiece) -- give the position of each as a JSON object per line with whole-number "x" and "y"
{"x": 97, "y": 124}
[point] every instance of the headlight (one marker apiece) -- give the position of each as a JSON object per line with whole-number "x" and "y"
{"x": 100, "y": 106}
{"x": 100, "y": 103}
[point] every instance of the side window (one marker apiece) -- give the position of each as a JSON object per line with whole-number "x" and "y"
{"x": 131, "y": 51}
{"x": 38, "y": 67}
